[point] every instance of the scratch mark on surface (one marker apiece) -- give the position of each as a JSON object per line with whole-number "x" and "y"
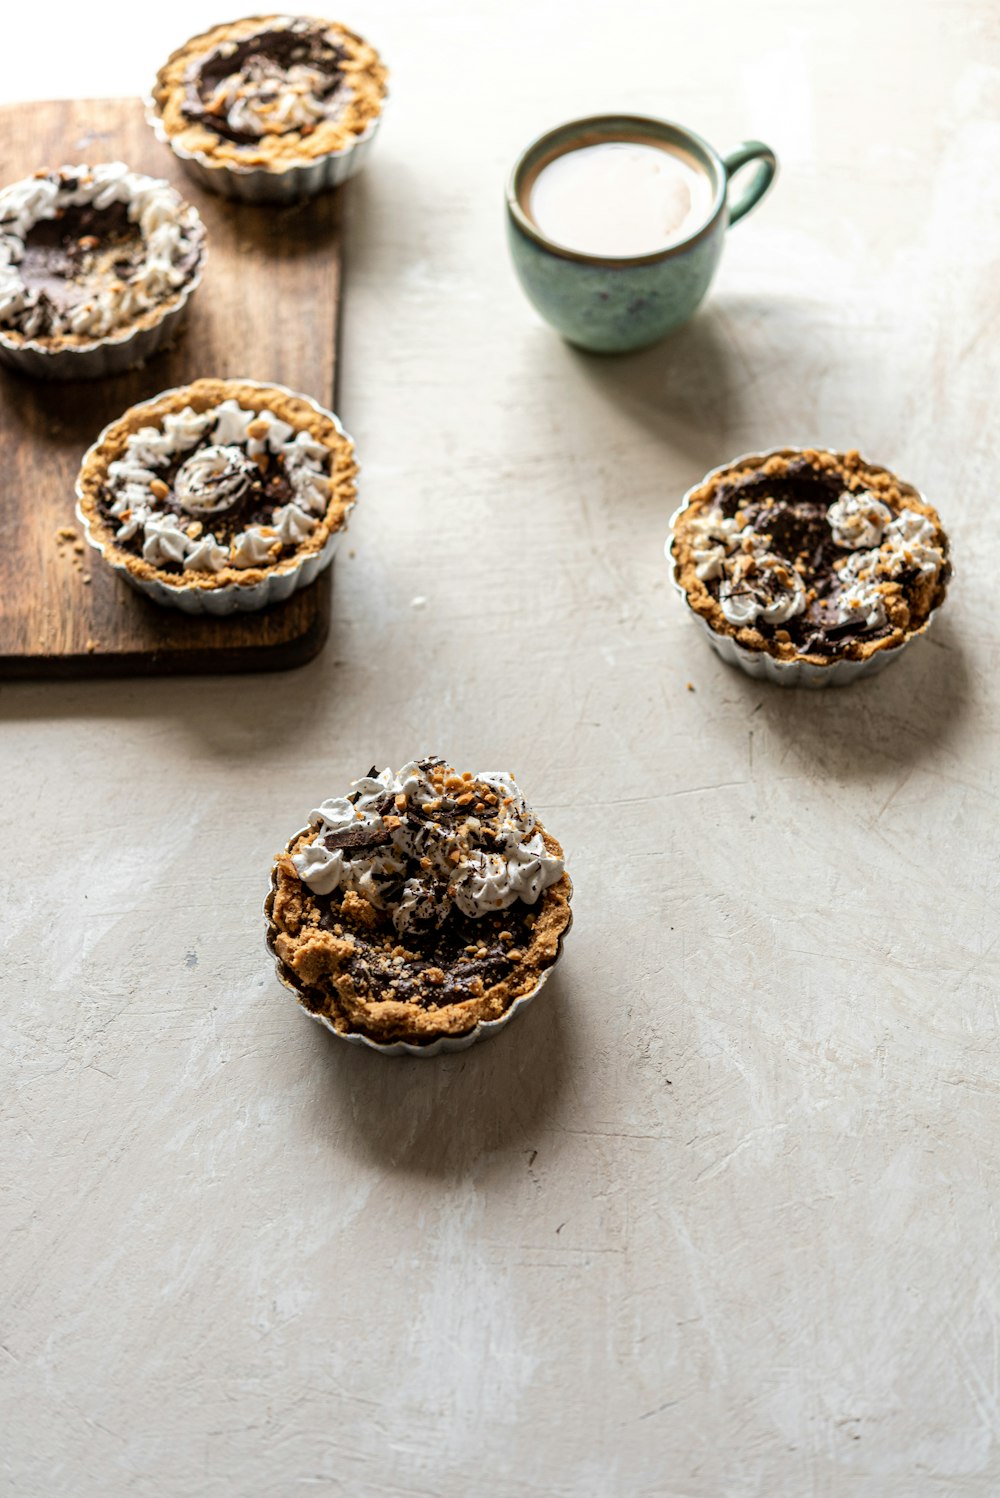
{"x": 725, "y": 1160}
{"x": 667, "y": 1405}
{"x": 612, "y": 1134}
{"x": 900, "y": 785}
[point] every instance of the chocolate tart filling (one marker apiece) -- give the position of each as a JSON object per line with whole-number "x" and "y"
{"x": 267, "y": 488}
{"x": 431, "y": 968}
{"x": 792, "y": 508}
{"x": 68, "y": 258}
{"x": 260, "y": 63}
{"x": 97, "y": 264}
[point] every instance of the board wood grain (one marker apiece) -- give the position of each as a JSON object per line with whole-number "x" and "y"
{"x": 267, "y": 309}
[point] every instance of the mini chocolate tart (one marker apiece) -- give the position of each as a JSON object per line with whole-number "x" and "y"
{"x": 807, "y": 566}
{"x": 421, "y": 910}
{"x": 220, "y": 495}
{"x": 270, "y": 108}
{"x": 97, "y": 264}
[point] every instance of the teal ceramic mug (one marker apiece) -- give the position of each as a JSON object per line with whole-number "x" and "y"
{"x": 613, "y": 305}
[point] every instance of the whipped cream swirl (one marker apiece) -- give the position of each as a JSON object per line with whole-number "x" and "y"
{"x": 254, "y": 547}
{"x": 214, "y": 478}
{"x": 170, "y": 231}
{"x": 425, "y": 840}
{"x": 857, "y": 520}
{"x": 765, "y": 587}
{"x": 164, "y": 541}
{"x": 229, "y": 449}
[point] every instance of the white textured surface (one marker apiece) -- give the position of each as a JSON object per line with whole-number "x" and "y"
{"x": 715, "y": 1219}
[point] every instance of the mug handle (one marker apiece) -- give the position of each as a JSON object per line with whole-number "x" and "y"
{"x": 760, "y": 181}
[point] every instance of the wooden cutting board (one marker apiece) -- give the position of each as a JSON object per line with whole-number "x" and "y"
{"x": 267, "y": 308}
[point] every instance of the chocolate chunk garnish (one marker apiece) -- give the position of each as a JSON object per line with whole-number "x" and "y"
{"x": 841, "y": 631}
{"x": 356, "y": 837}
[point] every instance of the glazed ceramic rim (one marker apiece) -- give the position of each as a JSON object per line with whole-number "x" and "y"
{"x": 481, "y": 1030}
{"x": 211, "y": 163}
{"x": 157, "y": 588}
{"x": 137, "y": 332}
{"x": 610, "y": 127}
{"x": 744, "y": 655}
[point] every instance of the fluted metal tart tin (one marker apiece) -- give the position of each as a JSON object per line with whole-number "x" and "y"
{"x": 759, "y": 663}
{"x": 256, "y": 184}
{"x": 232, "y": 598}
{"x": 102, "y": 357}
{"x": 480, "y": 1031}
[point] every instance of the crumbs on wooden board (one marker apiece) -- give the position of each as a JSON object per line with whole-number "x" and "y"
{"x": 70, "y": 545}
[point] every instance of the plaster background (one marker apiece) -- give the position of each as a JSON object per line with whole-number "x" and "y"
{"x": 715, "y": 1219}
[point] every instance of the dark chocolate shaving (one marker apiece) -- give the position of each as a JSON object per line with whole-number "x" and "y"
{"x": 374, "y": 969}
{"x": 361, "y": 836}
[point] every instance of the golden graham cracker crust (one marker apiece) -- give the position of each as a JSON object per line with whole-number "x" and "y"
{"x": 203, "y": 395}
{"x": 907, "y": 608}
{"x": 365, "y": 75}
{"x": 319, "y": 957}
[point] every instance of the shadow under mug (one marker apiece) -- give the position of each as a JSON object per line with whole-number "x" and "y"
{"x": 613, "y": 305}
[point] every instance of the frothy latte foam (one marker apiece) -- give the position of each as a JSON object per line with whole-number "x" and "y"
{"x": 620, "y": 198}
